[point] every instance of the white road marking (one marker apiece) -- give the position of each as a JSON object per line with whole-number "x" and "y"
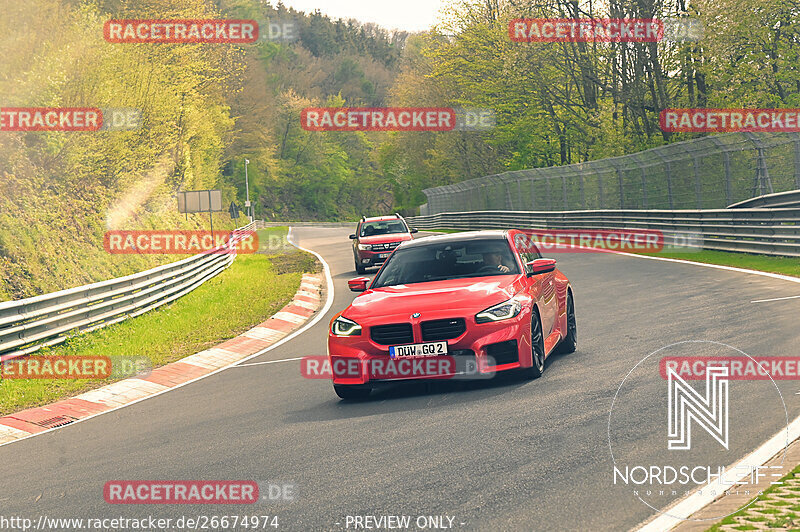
{"x": 268, "y": 362}
{"x": 774, "y": 299}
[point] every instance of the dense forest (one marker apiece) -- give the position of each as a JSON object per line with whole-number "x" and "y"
{"x": 208, "y": 107}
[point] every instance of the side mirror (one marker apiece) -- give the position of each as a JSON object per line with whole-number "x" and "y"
{"x": 539, "y": 266}
{"x": 353, "y": 237}
{"x": 414, "y": 231}
{"x": 359, "y": 284}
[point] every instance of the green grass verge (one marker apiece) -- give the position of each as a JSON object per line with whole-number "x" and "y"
{"x": 777, "y": 523}
{"x": 272, "y": 237}
{"x": 763, "y": 263}
{"x": 252, "y": 289}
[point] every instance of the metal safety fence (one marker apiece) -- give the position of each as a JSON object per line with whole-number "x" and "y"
{"x": 763, "y": 231}
{"x": 27, "y": 325}
{"x": 706, "y": 173}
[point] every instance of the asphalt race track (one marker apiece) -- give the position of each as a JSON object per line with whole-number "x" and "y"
{"x": 504, "y": 455}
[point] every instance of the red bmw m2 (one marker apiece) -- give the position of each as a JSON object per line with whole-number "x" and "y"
{"x": 485, "y": 298}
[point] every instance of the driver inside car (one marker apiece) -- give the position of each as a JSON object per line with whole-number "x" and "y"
{"x": 493, "y": 260}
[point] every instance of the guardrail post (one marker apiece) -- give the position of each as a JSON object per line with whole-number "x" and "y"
{"x": 669, "y": 185}
{"x": 600, "y": 190}
{"x": 644, "y": 189}
{"x": 533, "y": 192}
{"x": 644, "y": 180}
{"x": 698, "y": 189}
{"x": 796, "y": 137}
{"x": 763, "y": 183}
{"x": 583, "y": 192}
{"x": 726, "y": 163}
{"x": 668, "y": 172}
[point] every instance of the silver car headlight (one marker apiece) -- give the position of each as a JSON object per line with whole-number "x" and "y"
{"x": 502, "y": 311}
{"x": 341, "y": 326}
{"x": 365, "y": 247}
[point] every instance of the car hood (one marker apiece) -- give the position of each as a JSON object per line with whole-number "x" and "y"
{"x": 383, "y": 239}
{"x": 473, "y": 294}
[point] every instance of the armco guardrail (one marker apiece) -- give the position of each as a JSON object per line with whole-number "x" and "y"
{"x": 262, "y": 225}
{"x": 764, "y": 231}
{"x": 27, "y": 325}
{"x": 778, "y": 200}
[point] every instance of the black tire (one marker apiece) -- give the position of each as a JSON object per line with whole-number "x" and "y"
{"x": 570, "y": 342}
{"x": 360, "y": 269}
{"x": 351, "y": 392}
{"x": 537, "y": 347}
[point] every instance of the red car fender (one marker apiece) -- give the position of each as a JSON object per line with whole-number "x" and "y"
{"x": 563, "y": 286}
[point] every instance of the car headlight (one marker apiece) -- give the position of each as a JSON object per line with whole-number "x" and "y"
{"x": 343, "y": 327}
{"x": 365, "y": 247}
{"x": 502, "y": 311}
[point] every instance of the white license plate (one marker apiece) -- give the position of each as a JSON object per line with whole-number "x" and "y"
{"x": 384, "y": 255}
{"x": 431, "y": 349}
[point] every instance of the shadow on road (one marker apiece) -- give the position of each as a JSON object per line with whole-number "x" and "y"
{"x": 420, "y": 395}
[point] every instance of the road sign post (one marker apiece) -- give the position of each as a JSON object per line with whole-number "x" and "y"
{"x": 247, "y": 188}
{"x": 193, "y": 201}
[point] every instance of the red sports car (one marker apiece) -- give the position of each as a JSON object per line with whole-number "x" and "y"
{"x": 486, "y": 298}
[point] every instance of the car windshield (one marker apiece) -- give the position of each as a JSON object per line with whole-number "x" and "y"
{"x": 386, "y": 227}
{"x": 453, "y": 260}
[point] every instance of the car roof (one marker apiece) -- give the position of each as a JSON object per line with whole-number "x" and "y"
{"x": 380, "y": 218}
{"x": 468, "y": 236}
